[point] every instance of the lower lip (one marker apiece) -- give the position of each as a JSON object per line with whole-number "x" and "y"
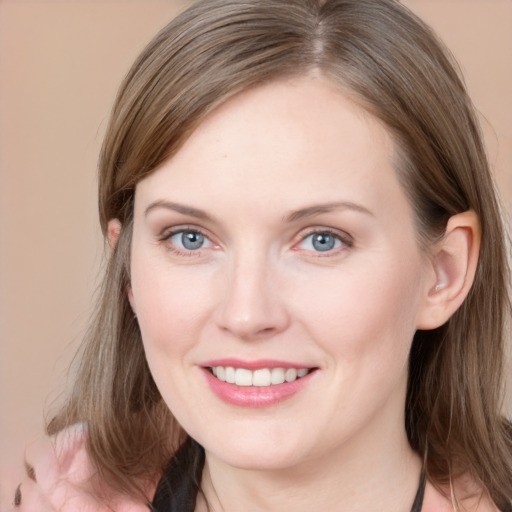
{"x": 254, "y": 396}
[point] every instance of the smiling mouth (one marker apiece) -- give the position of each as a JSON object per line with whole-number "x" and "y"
{"x": 263, "y": 377}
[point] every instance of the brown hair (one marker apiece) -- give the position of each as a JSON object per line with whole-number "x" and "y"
{"x": 391, "y": 63}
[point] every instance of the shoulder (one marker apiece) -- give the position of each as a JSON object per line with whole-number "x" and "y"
{"x": 58, "y": 477}
{"x": 470, "y": 498}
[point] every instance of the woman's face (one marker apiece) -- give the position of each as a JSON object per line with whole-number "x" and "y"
{"x": 278, "y": 245}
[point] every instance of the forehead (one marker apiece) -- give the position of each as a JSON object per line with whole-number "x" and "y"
{"x": 300, "y": 139}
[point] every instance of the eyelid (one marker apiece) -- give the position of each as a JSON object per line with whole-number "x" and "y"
{"x": 346, "y": 240}
{"x": 167, "y": 233}
{"x": 343, "y": 237}
{"x": 170, "y": 231}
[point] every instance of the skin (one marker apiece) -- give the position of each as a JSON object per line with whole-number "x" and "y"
{"x": 258, "y": 288}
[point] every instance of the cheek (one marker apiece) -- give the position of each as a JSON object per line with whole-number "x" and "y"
{"x": 364, "y": 311}
{"x": 171, "y": 310}
{"x": 171, "y": 305}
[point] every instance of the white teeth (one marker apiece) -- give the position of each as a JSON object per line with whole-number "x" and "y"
{"x": 262, "y": 377}
{"x": 290, "y": 375}
{"x": 277, "y": 375}
{"x": 230, "y": 375}
{"x": 243, "y": 377}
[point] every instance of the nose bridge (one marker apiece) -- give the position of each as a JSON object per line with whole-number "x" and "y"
{"x": 251, "y": 305}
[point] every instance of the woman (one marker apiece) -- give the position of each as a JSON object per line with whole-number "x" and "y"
{"x": 305, "y": 301}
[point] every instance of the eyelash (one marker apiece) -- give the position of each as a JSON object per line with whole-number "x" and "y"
{"x": 167, "y": 236}
{"x": 344, "y": 239}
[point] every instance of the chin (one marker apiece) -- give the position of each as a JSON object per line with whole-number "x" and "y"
{"x": 257, "y": 456}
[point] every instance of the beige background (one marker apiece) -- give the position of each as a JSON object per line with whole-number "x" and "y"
{"x": 60, "y": 64}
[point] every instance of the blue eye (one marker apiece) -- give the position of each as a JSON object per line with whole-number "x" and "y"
{"x": 322, "y": 241}
{"x": 189, "y": 240}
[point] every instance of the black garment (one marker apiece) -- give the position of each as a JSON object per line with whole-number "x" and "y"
{"x": 178, "y": 488}
{"x": 418, "y": 500}
{"x": 177, "y": 491}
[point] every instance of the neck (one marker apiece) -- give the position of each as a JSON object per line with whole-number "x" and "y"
{"x": 378, "y": 471}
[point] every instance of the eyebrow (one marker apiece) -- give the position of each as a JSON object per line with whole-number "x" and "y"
{"x": 180, "y": 208}
{"x": 325, "y": 208}
{"x": 291, "y": 217}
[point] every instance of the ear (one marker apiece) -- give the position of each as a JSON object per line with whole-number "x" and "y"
{"x": 454, "y": 260}
{"x": 131, "y": 299}
{"x": 113, "y": 232}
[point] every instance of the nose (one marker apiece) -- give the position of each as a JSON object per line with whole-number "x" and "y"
{"x": 252, "y": 306}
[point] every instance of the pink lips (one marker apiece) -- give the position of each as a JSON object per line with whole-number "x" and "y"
{"x": 253, "y": 396}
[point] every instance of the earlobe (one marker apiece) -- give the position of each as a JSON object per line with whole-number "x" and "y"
{"x": 113, "y": 232}
{"x": 131, "y": 300}
{"x": 454, "y": 261}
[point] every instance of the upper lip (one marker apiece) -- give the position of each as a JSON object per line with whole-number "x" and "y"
{"x": 254, "y": 365}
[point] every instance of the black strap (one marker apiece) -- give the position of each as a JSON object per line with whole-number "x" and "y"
{"x": 178, "y": 488}
{"x": 418, "y": 500}
{"x": 176, "y": 493}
